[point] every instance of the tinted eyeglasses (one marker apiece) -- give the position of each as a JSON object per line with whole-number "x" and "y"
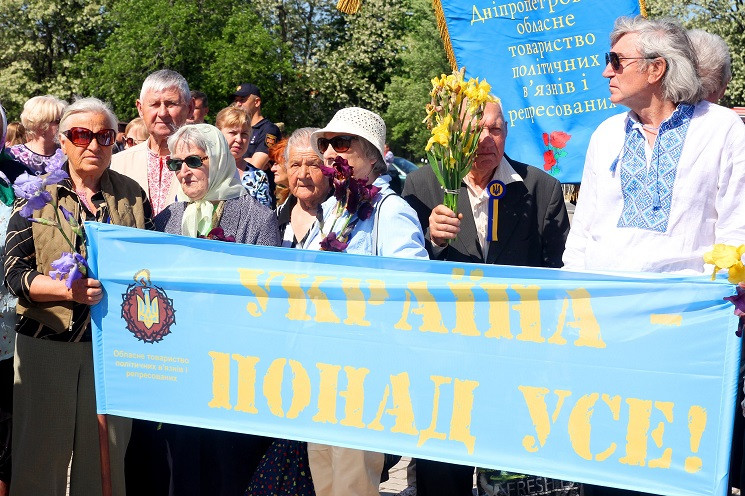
{"x": 340, "y": 144}
{"x": 614, "y": 60}
{"x": 82, "y": 136}
{"x": 132, "y": 141}
{"x": 192, "y": 161}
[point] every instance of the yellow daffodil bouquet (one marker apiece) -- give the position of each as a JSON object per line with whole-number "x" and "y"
{"x": 730, "y": 258}
{"x": 454, "y": 116}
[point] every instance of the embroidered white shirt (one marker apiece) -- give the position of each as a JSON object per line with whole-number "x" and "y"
{"x": 480, "y": 200}
{"x": 707, "y": 204}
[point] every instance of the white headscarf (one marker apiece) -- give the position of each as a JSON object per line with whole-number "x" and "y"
{"x": 224, "y": 183}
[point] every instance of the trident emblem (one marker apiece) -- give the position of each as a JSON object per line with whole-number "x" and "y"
{"x": 147, "y": 310}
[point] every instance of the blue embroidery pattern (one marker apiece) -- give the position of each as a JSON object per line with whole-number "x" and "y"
{"x": 648, "y": 194}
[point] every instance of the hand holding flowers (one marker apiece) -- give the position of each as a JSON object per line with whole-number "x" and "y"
{"x": 730, "y": 257}
{"x": 71, "y": 266}
{"x": 454, "y": 117}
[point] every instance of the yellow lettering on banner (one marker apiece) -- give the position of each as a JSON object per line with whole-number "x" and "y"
{"x": 580, "y": 426}
{"x": 696, "y": 426}
{"x": 356, "y": 307}
{"x": 663, "y": 461}
{"x": 640, "y": 412}
{"x": 402, "y": 410}
{"x": 250, "y": 280}
{"x": 273, "y": 388}
{"x": 584, "y": 321}
{"x": 320, "y": 301}
{"x": 220, "y": 380}
{"x": 431, "y": 431}
{"x": 535, "y": 399}
{"x": 354, "y": 396}
{"x": 499, "y": 311}
{"x": 465, "y": 303}
{"x": 427, "y": 308}
{"x": 460, "y": 422}
{"x": 327, "y": 390}
{"x": 529, "y": 309}
{"x": 295, "y": 295}
{"x": 614, "y": 404}
{"x": 246, "y": 383}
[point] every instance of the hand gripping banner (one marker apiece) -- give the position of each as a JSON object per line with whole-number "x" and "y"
{"x": 544, "y": 59}
{"x": 620, "y": 380}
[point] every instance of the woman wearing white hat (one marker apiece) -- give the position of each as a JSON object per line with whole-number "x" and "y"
{"x": 358, "y": 136}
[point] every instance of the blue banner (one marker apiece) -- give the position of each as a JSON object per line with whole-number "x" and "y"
{"x": 621, "y": 380}
{"x": 544, "y": 59}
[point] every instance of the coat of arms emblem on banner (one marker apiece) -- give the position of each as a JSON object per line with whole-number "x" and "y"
{"x": 147, "y": 309}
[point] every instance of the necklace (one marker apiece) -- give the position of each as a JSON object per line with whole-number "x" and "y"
{"x": 651, "y": 129}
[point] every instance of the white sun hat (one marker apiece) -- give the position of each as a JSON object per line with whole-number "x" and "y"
{"x": 355, "y": 121}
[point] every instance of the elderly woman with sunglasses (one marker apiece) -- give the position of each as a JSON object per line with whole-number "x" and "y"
{"x": 54, "y": 403}
{"x": 204, "y": 461}
{"x": 391, "y": 229}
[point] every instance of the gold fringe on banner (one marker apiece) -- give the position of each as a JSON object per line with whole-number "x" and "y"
{"x": 349, "y": 6}
{"x": 571, "y": 192}
{"x": 643, "y": 8}
{"x": 444, "y": 34}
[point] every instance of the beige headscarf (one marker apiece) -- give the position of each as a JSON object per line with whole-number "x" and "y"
{"x": 224, "y": 183}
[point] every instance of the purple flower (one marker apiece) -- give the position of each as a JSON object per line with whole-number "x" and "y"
{"x": 66, "y": 214}
{"x": 219, "y": 234}
{"x": 70, "y": 266}
{"x": 330, "y": 243}
{"x": 360, "y": 198}
{"x": 340, "y": 174}
{"x": 32, "y": 189}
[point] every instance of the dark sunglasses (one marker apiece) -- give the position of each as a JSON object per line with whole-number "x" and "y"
{"x": 132, "y": 141}
{"x": 614, "y": 60}
{"x": 192, "y": 161}
{"x": 340, "y": 144}
{"x": 82, "y": 136}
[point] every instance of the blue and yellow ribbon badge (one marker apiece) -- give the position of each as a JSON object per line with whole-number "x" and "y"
{"x": 496, "y": 190}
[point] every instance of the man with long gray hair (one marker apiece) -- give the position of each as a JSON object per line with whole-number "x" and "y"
{"x": 662, "y": 182}
{"x": 165, "y": 103}
{"x": 714, "y": 63}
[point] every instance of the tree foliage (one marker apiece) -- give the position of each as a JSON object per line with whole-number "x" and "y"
{"x": 40, "y": 39}
{"x": 725, "y": 18}
{"x": 308, "y": 58}
{"x": 422, "y": 58}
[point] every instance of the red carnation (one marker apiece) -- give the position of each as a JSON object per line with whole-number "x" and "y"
{"x": 548, "y": 160}
{"x": 559, "y": 139}
{"x": 545, "y": 139}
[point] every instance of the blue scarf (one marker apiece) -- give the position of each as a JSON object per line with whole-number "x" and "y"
{"x": 648, "y": 193}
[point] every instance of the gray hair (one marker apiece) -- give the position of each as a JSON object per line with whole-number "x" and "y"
{"x": 188, "y": 135}
{"x": 371, "y": 152}
{"x": 714, "y": 63}
{"x": 667, "y": 39}
{"x": 89, "y": 105}
{"x": 163, "y": 80}
{"x": 299, "y": 139}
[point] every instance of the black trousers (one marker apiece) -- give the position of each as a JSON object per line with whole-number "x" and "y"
{"x": 443, "y": 479}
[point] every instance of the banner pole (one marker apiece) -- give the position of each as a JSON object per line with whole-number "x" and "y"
{"x": 103, "y": 442}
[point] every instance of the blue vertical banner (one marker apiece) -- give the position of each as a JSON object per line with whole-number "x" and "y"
{"x": 619, "y": 380}
{"x": 544, "y": 59}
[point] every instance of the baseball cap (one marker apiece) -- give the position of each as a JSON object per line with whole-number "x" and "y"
{"x": 247, "y": 89}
